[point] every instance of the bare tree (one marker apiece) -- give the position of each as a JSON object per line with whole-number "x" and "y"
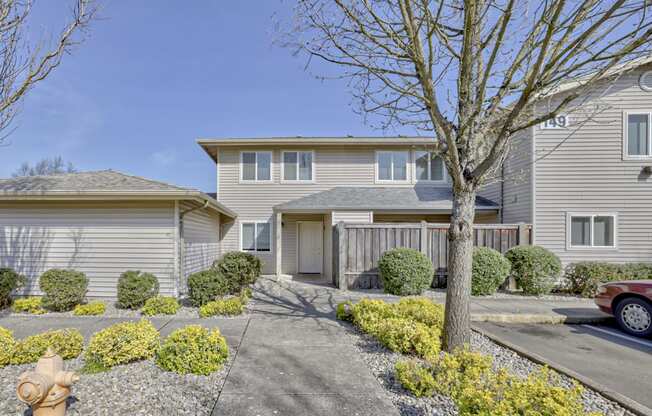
{"x": 45, "y": 167}
{"x": 24, "y": 64}
{"x": 470, "y": 74}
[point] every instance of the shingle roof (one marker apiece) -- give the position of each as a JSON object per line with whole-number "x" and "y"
{"x": 104, "y": 183}
{"x": 418, "y": 198}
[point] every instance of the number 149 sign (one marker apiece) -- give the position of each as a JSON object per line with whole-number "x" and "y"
{"x": 560, "y": 121}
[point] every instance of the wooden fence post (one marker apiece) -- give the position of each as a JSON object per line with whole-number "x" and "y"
{"x": 342, "y": 283}
{"x": 523, "y": 234}
{"x": 424, "y": 239}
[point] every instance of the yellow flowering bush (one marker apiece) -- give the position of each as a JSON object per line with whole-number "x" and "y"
{"x": 68, "y": 343}
{"x": 90, "y": 309}
{"x": 7, "y": 346}
{"x": 409, "y": 337}
{"x": 28, "y": 305}
{"x": 120, "y": 344}
{"x": 421, "y": 310}
{"x": 416, "y": 378}
{"x": 229, "y": 306}
{"x": 344, "y": 311}
{"x": 368, "y": 313}
{"x": 160, "y": 305}
{"x": 193, "y": 349}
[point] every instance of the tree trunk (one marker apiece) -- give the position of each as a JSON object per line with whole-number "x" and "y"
{"x": 457, "y": 321}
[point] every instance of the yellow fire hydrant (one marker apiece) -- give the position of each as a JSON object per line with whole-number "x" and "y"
{"x": 47, "y": 387}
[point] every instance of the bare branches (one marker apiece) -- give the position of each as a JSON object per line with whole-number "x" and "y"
{"x": 23, "y": 65}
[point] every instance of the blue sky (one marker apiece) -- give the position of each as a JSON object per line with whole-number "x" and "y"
{"x": 155, "y": 75}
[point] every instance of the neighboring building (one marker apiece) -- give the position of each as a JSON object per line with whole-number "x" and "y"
{"x": 289, "y": 192}
{"x": 103, "y": 223}
{"x": 584, "y": 180}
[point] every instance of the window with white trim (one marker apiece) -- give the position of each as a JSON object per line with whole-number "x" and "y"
{"x": 298, "y": 166}
{"x": 592, "y": 230}
{"x": 256, "y": 166}
{"x": 256, "y": 236}
{"x": 391, "y": 166}
{"x": 429, "y": 167}
{"x": 637, "y": 135}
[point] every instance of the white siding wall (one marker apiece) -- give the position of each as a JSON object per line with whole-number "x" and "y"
{"x": 100, "y": 239}
{"x": 587, "y": 173}
{"x": 353, "y": 216}
{"x": 201, "y": 238}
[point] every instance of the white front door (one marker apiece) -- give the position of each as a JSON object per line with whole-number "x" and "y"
{"x": 310, "y": 246}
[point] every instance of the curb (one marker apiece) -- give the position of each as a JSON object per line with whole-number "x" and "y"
{"x": 627, "y": 403}
{"x": 524, "y": 318}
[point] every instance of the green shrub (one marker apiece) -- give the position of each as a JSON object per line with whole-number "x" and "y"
{"x": 416, "y": 378}
{"x": 239, "y": 268}
{"x": 535, "y": 269}
{"x": 160, "y": 305}
{"x": 121, "y": 344}
{"x": 422, "y": 310}
{"x": 28, "y": 305}
{"x": 134, "y": 288}
{"x": 193, "y": 349}
{"x": 63, "y": 289}
{"x": 583, "y": 278}
{"x": 490, "y": 269}
{"x": 90, "y": 309}
{"x": 405, "y": 271}
{"x": 206, "y": 286}
{"x": 9, "y": 281}
{"x": 246, "y": 294}
{"x": 344, "y": 311}
{"x": 7, "y": 346}
{"x": 368, "y": 313}
{"x": 68, "y": 343}
{"x": 409, "y": 337}
{"x": 229, "y": 306}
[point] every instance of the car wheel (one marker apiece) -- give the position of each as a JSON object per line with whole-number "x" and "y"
{"x": 634, "y": 316}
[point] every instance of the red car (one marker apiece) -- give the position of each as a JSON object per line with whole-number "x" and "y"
{"x": 630, "y": 302}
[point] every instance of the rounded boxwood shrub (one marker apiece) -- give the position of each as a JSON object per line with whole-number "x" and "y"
{"x": 121, "y": 344}
{"x": 405, "y": 271}
{"x": 535, "y": 269}
{"x": 160, "y": 305}
{"x": 134, "y": 288}
{"x": 63, "y": 289}
{"x": 7, "y": 346}
{"x": 68, "y": 343}
{"x": 239, "y": 268}
{"x": 194, "y": 350}
{"x": 490, "y": 269}
{"x": 90, "y": 309}
{"x": 9, "y": 281}
{"x": 206, "y": 286}
{"x": 30, "y": 304}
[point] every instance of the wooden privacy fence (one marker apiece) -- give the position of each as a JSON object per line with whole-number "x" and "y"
{"x": 357, "y": 247}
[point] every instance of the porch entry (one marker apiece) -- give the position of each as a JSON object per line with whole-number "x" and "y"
{"x": 310, "y": 246}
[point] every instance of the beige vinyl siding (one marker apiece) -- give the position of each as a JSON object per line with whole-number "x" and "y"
{"x": 101, "y": 239}
{"x": 353, "y": 216}
{"x": 517, "y": 182}
{"x": 586, "y": 173}
{"x": 201, "y": 239}
{"x": 480, "y": 218}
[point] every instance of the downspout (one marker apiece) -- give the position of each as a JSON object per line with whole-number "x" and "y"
{"x": 182, "y": 243}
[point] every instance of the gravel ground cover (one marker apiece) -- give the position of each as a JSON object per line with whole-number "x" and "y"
{"x": 381, "y": 361}
{"x": 139, "y": 388}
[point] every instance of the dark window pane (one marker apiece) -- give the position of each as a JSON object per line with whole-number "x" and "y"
{"x": 436, "y": 169}
{"x": 305, "y": 166}
{"x": 637, "y": 134}
{"x": 290, "y": 166}
{"x": 248, "y": 231}
{"x": 385, "y": 166}
{"x": 603, "y": 231}
{"x": 581, "y": 231}
{"x": 249, "y": 166}
{"x": 263, "y": 237}
{"x": 422, "y": 166}
{"x": 400, "y": 166}
{"x": 264, "y": 166}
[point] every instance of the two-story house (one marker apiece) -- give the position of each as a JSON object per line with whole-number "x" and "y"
{"x": 289, "y": 192}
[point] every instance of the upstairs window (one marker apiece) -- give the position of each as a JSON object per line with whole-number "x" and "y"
{"x": 592, "y": 231}
{"x": 256, "y": 166}
{"x": 637, "y": 135}
{"x": 429, "y": 167}
{"x": 391, "y": 166}
{"x": 298, "y": 166}
{"x": 256, "y": 236}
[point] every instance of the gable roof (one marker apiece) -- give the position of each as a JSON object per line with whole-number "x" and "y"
{"x": 98, "y": 185}
{"x": 418, "y": 198}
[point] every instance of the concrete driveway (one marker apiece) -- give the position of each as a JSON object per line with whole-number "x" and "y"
{"x": 611, "y": 362}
